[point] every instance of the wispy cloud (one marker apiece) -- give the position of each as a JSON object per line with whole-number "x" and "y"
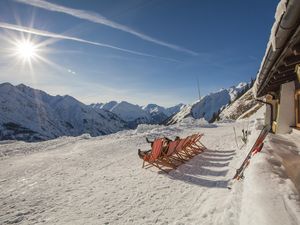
{"x": 71, "y": 71}
{"x": 97, "y": 18}
{"x": 65, "y": 37}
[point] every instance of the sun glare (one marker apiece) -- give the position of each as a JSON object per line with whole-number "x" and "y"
{"x": 26, "y": 50}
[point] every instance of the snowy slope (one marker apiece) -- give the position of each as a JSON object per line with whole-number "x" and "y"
{"x": 81, "y": 180}
{"x": 175, "y": 109}
{"x": 209, "y": 104}
{"x": 109, "y": 105}
{"x": 29, "y": 114}
{"x": 240, "y": 106}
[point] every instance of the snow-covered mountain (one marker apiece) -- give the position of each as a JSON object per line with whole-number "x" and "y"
{"x": 175, "y": 109}
{"x": 131, "y": 113}
{"x": 30, "y": 114}
{"x": 135, "y": 114}
{"x": 209, "y": 105}
{"x": 159, "y": 114}
{"x": 107, "y": 106}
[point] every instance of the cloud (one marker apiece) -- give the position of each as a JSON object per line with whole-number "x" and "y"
{"x": 71, "y": 71}
{"x": 64, "y": 37}
{"x": 97, "y": 18}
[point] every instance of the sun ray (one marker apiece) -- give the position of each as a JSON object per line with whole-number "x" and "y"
{"x": 26, "y": 50}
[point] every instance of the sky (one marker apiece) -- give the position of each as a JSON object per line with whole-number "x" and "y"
{"x": 140, "y": 51}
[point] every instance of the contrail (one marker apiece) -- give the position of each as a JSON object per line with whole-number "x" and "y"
{"x": 64, "y": 37}
{"x": 97, "y": 18}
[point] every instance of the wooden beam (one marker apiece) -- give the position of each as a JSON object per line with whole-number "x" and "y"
{"x": 292, "y": 60}
{"x": 282, "y": 81}
{"x": 283, "y": 77}
{"x": 277, "y": 76}
{"x": 284, "y": 69}
{"x": 296, "y": 49}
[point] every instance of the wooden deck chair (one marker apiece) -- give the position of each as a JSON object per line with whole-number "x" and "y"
{"x": 195, "y": 144}
{"x": 190, "y": 148}
{"x": 187, "y": 149}
{"x": 171, "y": 154}
{"x": 181, "y": 150}
{"x": 155, "y": 158}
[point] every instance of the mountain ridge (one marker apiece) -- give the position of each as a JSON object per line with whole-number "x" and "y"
{"x": 209, "y": 105}
{"x": 33, "y": 115}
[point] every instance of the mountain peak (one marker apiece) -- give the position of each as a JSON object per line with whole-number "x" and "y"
{"x": 209, "y": 104}
{"x": 34, "y": 115}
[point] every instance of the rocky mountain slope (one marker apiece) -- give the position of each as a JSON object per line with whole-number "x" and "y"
{"x": 241, "y": 108}
{"x": 209, "y": 105}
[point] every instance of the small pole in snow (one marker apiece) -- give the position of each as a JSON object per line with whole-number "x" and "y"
{"x": 198, "y": 88}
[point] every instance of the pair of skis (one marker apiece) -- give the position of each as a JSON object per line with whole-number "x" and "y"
{"x": 258, "y": 145}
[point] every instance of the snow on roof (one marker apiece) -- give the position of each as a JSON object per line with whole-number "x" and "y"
{"x": 280, "y": 10}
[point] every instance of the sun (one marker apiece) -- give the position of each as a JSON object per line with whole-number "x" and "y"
{"x": 26, "y": 50}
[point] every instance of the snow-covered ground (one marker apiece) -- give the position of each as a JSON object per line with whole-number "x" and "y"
{"x": 84, "y": 180}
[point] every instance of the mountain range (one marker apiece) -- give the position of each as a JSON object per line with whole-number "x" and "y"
{"x": 135, "y": 114}
{"x": 33, "y": 115}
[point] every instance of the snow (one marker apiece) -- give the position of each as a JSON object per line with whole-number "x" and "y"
{"x": 99, "y": 180}
{"x": 280, "y": 10}
{"x": 269, "y": 171}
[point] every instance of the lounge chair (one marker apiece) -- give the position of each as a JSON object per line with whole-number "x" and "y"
{"x": 195, "y": 145}
{"x": 171, "y": 154}
{"x": 155, "y": 156}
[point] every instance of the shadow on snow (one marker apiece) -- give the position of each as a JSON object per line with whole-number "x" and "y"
{"x": 211, "y": 163}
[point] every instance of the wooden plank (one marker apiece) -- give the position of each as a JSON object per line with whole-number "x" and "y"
{"x": 292, "y": 60}
{"x": 296, "y": 49}
{"x": 284, "y": 69}
{"x": 277, "y": 76}
{"x": 282, "y": 81}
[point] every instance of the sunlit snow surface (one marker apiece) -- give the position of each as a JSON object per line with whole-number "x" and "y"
{"x": 99, "y": 180}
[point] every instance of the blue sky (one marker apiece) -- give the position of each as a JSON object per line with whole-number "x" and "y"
{"x": 157, "y": 50}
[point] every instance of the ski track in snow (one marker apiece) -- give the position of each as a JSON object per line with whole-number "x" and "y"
{"x": 100, "y": 180}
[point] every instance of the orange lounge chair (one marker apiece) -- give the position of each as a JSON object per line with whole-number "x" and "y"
{"x": 171, "y": 155}
{"x": 195, "y": 145}
{"x": 174, "y": 153}
{"x": 155, "y": 157}
{"x": 180, "y": 152}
